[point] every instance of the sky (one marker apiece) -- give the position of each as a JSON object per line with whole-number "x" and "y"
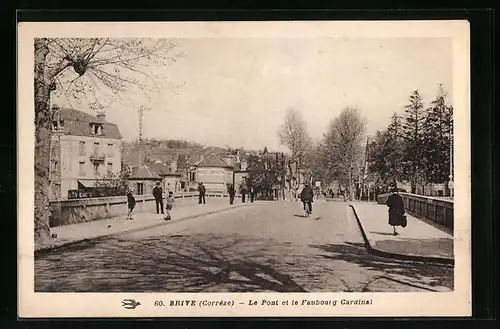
{"x": 235, "y": 92}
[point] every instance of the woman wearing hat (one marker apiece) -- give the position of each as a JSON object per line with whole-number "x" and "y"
{"x": 396, "y": 209}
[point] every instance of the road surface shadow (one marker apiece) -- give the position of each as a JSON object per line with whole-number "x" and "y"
{"x": 382, "y": 233}
{"x": 435, "y": 274}
{"x": 436, "y": 247}
{"x": 166, "y": 263}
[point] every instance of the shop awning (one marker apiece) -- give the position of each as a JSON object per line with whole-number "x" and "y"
{"x": 85, "y": 184}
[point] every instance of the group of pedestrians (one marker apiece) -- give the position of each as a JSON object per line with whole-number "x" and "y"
{"x": 169, "y": 200}
{"x": 244, "y": 191}
{"x": 158, "y": 195}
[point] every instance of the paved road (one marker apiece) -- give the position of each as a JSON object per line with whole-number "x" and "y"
{"x": 266, "y": 247}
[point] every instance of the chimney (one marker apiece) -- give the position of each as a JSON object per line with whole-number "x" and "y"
{"x": 101, "y": 116}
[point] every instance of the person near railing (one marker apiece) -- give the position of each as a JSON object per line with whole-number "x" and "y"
{"x": 170, "y": 200}
{"x": 202, "y": 191}
{"x": 231, "y": 191}
{"x": 243, "y": 193}
{"x": 158, "y": 194}
{"x": 396, "y": 209}
{"x": 130, "y": 203}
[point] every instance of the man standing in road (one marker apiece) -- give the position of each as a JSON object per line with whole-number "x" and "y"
{"x": 158, "y": 194}
{"x": 201, "y": 190}
{"x": 251, "y": 194}
{"x": 232, "y": 192}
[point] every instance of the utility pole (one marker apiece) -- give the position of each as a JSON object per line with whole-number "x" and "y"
{"x": 141, "y": 116}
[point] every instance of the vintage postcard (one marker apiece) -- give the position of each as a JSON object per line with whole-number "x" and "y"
{"x": 257, "y": 169}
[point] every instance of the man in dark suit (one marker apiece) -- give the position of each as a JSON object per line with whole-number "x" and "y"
{"x": 201, "y": 190}
{"x": 158, "y": 194}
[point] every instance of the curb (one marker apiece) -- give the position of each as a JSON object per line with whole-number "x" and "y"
{"x": 45, "y": 249}
{"x": 381, "y": 253}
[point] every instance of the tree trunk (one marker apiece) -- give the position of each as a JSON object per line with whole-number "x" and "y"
{"x": 43, "y": 133}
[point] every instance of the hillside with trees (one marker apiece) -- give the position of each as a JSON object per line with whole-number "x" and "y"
{"x": 167, "y": 150}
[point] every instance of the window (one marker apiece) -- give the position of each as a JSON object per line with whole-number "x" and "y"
{"x": 140, "y": 188}
{"x": 57, "y": 125}
{"x": 81, "y": 168}
{"x": 110, "y": 150}
{"x": 96, "y": 129}
{"x": 96, "y": 147}
{"x": 55, "y": 165}
{"x": 110, "y": 167}
{"x": 82, "y": 148}
{"x": 96, "y": 169}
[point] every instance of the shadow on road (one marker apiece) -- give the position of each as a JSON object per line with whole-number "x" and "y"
{"x": 168, "y": 263}
{"x": 382, "y": 233}
{"x": 436, "y": 275}
{"x": 440, "y": 247}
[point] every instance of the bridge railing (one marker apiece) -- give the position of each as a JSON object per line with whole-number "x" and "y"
{"x": 435, "y": 209}
{"x": 74, "y": 211}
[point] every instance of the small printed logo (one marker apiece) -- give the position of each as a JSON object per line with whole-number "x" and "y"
{"x": 130, "y": 304}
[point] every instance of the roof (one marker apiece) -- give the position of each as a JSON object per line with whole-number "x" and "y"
{"x": 77, "y": 123}
{"x": 164, "y": 170}
{"x": 145, "y": 172}
{"x": 213, "y": 160}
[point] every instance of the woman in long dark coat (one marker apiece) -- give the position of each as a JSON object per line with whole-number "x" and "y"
{"x": 396, "y": 209}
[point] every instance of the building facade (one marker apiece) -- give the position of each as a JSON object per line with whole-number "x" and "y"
{"x": 84, "y": 150}
{"x": 213, "y": 172}
{"x": 171, "y": 179}
{"x": 143, "y": 180}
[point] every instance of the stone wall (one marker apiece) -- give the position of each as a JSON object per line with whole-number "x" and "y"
{"x": 436, "y": 209}
{"x": 67, "y": 212}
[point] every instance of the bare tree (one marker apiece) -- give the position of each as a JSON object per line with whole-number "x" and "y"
{"x": 342, "y": 146}
{"x": 98, "y": 71}
{"x": 293, "y": 134}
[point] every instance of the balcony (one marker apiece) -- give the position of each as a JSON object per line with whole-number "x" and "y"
{"x": 97, "y": 157}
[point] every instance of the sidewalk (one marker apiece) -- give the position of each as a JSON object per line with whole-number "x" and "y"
{"x": 70, "y": 234}
{"x": 417, "y": 241}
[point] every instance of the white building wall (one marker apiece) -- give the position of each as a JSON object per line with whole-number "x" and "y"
{"x": 71, "y": 158}
{"x": 214, "y": 179}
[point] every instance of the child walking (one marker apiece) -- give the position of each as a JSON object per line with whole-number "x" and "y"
{"x": 131, "y": 203}
{"x": 170, "y": 204}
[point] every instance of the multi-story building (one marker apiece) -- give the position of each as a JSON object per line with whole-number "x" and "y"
{"x": 84, "y": 150}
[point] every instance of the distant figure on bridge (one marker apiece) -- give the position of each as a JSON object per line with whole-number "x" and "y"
{"x": 396, "y": 210}
{"x": 130, "y": 203}
{"x": 158, "y": 194}
{"x": 243, "y": 193}
{"x": 201, "y": 190}
{"x": 307, "y": 196}
{"x": 231, "y": 191}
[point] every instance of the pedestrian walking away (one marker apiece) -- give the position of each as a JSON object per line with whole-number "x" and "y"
{"x": 130, "y": 203}
{"x": 170, "y": 203}
{"x": 396, "y": 210}
{"x": 201, "y": 190}
{"x": 158, "y": 195}
{"x": 306, "y": 196}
